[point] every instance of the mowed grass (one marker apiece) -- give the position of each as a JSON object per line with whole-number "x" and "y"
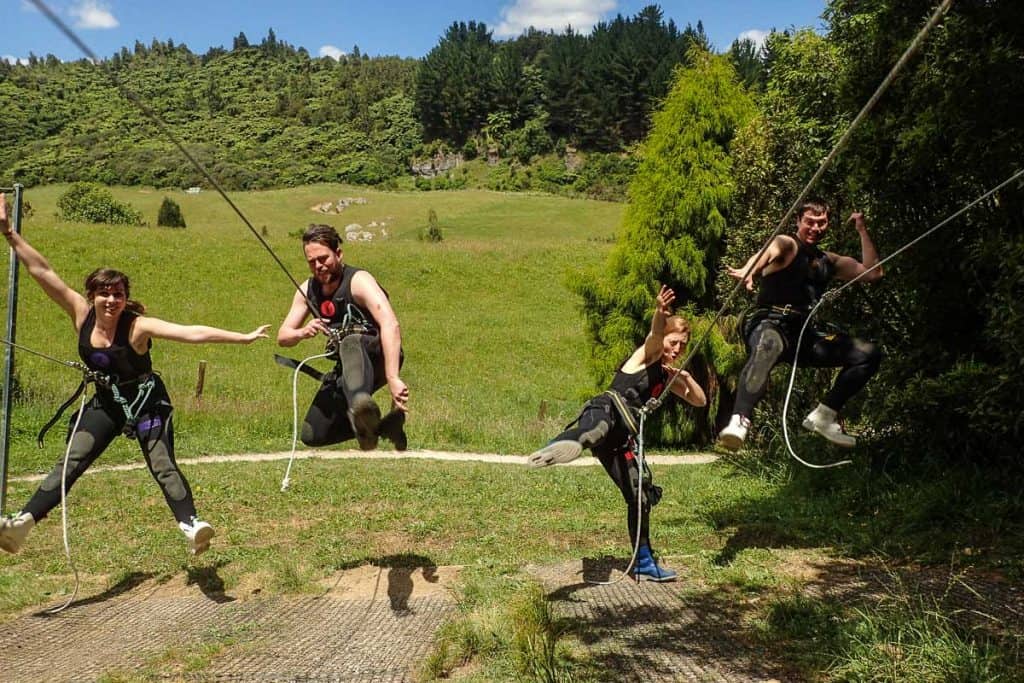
{"x": 341, "y": 514}
{"x": 490, "y": 330}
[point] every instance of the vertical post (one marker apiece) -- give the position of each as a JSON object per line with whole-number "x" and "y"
{"x": 201, "y": 381}
{"x": 12, "y": 316}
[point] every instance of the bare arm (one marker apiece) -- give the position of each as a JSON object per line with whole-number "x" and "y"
{"x": 292, "y": 330}
{"x": 73, "y": 303}
{"x": 368, "y": 294}
{"x": 849, "y": 268}
{"x": 146, "y": 328}
{"x": 778, "y": 252}
{"x": 686, "y": 388}
{"x": 656, "y": 337}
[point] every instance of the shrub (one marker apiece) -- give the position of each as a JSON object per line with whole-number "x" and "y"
{"x": 432, "y": 233}
{"x": 170, "y": 214}
{"x": 91, "y": 203}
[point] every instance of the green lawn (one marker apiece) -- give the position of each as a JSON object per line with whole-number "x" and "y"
{"x": 489, "y": 328}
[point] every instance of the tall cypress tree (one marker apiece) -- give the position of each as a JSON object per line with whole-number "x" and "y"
{"x": 672, "y": 229}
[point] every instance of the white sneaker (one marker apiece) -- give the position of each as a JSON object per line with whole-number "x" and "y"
{"x": 735, "y": 433}
{"x": 14, "y": 530}
{"x": 198, "y": 534}
{"x": 559, "y": 452}
{"x": 824, "y": 421}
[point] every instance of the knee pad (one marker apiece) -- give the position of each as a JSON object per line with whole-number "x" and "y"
{"x": 594, "y": 435}
{"x": 166, "y": 472}
{"x": 354, "y": 362}
{"x": 870, "y": 354}
{"x": 81, "y": 444}
{"x": 767, "y": 348}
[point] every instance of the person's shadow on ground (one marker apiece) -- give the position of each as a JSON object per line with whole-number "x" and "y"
{"x": 401, "y": 567}
{"x": 595, "y": 570}
{"x": 127, "y": 583}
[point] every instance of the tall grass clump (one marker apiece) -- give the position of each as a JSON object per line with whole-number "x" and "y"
{"x": 505, "y": 631}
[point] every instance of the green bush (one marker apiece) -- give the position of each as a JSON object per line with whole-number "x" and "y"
{"x": 170, "y": 214}
{"x": 432, "y": 233}
{"x": 91, "y": 203}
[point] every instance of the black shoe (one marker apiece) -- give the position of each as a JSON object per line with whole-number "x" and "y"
{"x": 365, "y": 417}
{"x": 392, "y": 428}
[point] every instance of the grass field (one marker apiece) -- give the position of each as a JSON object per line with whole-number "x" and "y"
{"x": 490, "y": 332}
{"x": 489, "y": 329}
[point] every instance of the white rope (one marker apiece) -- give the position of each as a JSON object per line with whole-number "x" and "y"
{"x": 295, "y": 416}
{"x": 64, "y": 509}
{"x": 835, "y": 294}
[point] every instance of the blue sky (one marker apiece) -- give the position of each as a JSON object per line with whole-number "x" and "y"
{"x": 409, "y": 28}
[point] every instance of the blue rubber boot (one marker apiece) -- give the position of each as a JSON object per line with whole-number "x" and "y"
{"x": 648, "y": 570}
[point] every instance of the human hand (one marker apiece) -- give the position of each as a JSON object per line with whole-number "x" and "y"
{"x": 663, "y": 302}
{"x": 5, "y": 226}
{"x": 399, "y": 393}
{"x": 315, "y": 327}
{"x": 737, "y": 274}
{"x": 857, "y": 218}
{"x": 259, "y": 333}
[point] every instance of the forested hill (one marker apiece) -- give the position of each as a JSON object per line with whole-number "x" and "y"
{"x": 265, "y": 114}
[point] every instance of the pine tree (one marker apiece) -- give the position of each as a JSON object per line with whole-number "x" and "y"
{"x": 672, "y": 229}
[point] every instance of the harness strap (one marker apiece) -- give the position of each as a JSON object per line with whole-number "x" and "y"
{"x": 293, "y": 364}
{"x": 625, "y": 412}
{"x": 60, "y": 411}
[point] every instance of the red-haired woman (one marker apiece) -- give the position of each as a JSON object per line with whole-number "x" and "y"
{"x": 607, "y": 424}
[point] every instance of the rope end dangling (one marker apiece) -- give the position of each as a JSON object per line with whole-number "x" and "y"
{"x": 284, "y": 484}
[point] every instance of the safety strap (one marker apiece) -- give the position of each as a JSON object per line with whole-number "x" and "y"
{"x": 629, "y": 418}
{"x": 60, "y": 411}
{"x": 293, "y": 364}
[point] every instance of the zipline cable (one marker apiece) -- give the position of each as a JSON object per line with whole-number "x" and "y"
{"x": 654, "y": 403}
{"x": 162, "y": 126}
{"x": 834, "y": 294}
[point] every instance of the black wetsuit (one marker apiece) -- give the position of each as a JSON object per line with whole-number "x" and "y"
{"x": 359, "y": 368}
{"x": 771, "y": 332}
{"x": 602, "y": 428}
{"x": 103, "y": 418}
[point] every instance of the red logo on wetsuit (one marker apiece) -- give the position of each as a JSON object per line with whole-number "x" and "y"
{"x": 327, "y": 308}
{"x": 657, "y": 389}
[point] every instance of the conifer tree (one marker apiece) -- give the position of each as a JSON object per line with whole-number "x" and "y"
{"x": 672, "y": 229}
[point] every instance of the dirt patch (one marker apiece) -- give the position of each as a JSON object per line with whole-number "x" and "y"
{"x": 370, "y": 582}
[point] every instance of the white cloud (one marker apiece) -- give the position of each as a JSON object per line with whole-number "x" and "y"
{"x": 331, "y": 51}
{"x": 11, "y": 59}
{"x": 93, "y": 14}
{"x": 553, "y": 15}
{"x": 755, "y": 35}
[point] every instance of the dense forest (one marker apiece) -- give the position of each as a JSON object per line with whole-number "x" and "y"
{"x": 268, "y": 114}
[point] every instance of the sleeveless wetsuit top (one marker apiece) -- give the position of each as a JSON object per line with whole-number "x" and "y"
{"x": 801, "y": 283}
{"x": 640, "y": 386}
{"x": 335, "y": 307}
{"x": 119, "y": 360}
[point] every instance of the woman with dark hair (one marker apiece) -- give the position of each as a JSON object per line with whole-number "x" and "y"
{"x": 114, "y": 338}
{"x": 607, "y": 424}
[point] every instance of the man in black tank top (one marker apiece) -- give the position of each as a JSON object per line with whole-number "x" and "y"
{"x": 355, "y": 314}
{"x": 794, "y": 274}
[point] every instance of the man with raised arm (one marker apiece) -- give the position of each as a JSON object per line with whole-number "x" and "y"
{"x": 354, "y": 313}
{"x": 794, "y": 273}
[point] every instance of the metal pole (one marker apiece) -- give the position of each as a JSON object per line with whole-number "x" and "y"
{"x": 12, "y": 316}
